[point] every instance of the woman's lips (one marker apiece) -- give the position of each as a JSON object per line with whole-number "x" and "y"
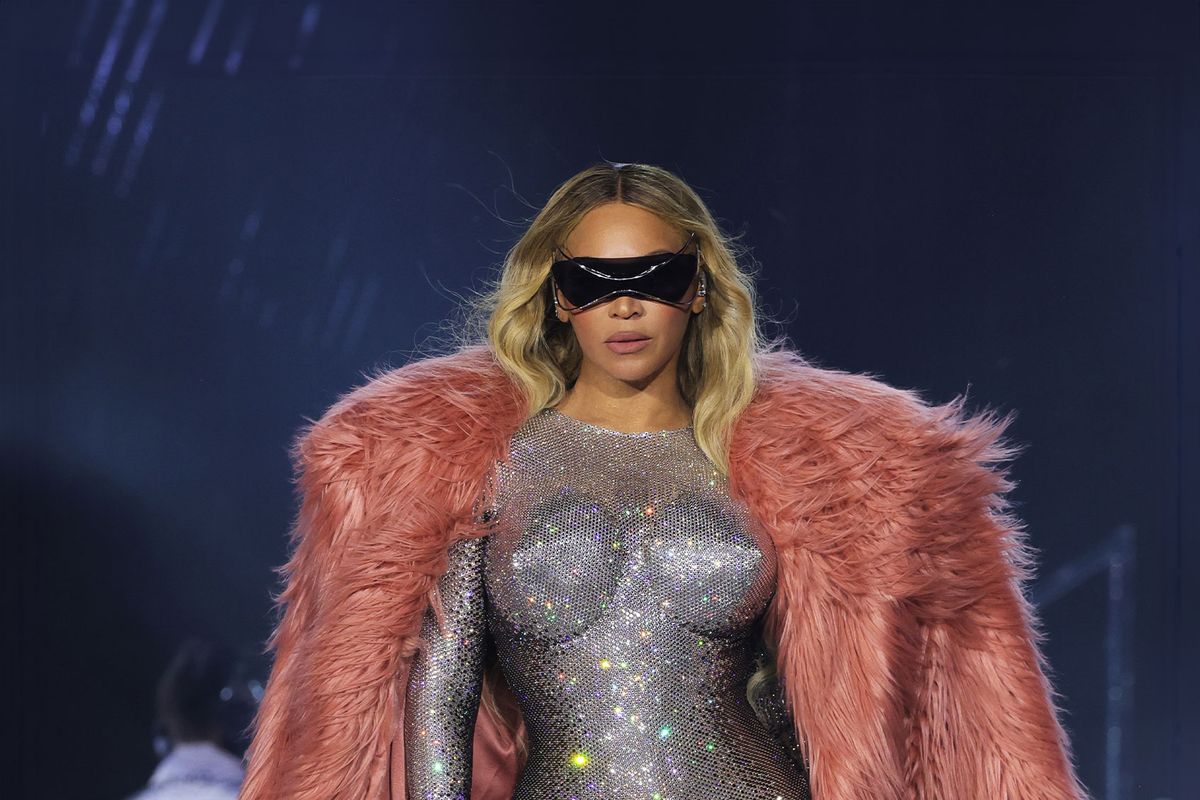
{"x": 628, "y": 346}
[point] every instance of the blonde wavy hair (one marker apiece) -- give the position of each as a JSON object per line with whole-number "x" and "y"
{"x": 717, "y": 372}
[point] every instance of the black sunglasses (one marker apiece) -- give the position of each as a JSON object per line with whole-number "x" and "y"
{"x": 664, "y": 278}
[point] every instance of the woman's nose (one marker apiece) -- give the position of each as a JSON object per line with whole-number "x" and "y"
{"x": 625, "y": 306}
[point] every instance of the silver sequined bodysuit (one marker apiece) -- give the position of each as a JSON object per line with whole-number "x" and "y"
{"x": 622, "y": 590}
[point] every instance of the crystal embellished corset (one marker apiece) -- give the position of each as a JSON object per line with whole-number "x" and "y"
{"x": 621, "y": 589}
{"x": 596, "y": 528}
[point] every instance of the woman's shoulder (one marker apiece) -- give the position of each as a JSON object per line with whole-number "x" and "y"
{"x": 466, "y": 371}
{"x": 430, "y": 402}
{"x": 431, "y": 389}
{"x": 860, "y": 413}
{"x": 793, "y": 385}
{"x": 874, "y": 469}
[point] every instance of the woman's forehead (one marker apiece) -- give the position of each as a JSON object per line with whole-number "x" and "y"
{"x": 617, "y": 230}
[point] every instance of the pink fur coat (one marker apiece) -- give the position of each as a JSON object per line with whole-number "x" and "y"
{"x": 907, "y": 652}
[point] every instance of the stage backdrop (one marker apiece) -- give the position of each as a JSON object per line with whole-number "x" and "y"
{"x": 220, "y": 216}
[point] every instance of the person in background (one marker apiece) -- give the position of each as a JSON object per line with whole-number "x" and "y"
{"x": 198, "y": 715}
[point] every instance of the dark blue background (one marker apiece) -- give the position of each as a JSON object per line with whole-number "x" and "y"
{"x": 202, "y": 250}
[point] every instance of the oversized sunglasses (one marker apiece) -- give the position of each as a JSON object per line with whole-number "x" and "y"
{"x": 664, "y": 278}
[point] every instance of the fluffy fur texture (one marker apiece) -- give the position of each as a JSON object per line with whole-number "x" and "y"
{"x": 908, "y": 653}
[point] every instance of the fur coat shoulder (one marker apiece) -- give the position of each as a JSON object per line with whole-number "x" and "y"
{"x": 907, "y": 652}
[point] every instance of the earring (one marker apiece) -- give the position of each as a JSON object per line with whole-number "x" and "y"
{"x": 557, "y": 308}
{"x": 703, "y": 292}
{"x": 554, "y": 297}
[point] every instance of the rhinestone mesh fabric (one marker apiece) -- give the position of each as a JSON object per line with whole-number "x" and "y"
{"x": 622, "y": 591}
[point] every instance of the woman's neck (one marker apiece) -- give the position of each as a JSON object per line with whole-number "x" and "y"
{"x": 618, "y": 405}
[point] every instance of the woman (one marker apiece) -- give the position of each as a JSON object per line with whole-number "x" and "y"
{"x": 673, "y": 559}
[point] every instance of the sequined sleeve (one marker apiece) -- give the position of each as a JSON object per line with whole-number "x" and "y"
{"x": 776, "y": 719}
{"x": 772, "y": 711}
{"x": 445, "y": 681}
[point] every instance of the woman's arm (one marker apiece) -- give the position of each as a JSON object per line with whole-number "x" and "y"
{"x": 765, "y": 694}
{"x": 445, "y": 682}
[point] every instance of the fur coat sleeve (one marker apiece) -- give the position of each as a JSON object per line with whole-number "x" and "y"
{"x": 335, "y": 655}
{"x": 391, "y": 474}
{"x": 983, "y": 721}
{"x": 907, "y": 648}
